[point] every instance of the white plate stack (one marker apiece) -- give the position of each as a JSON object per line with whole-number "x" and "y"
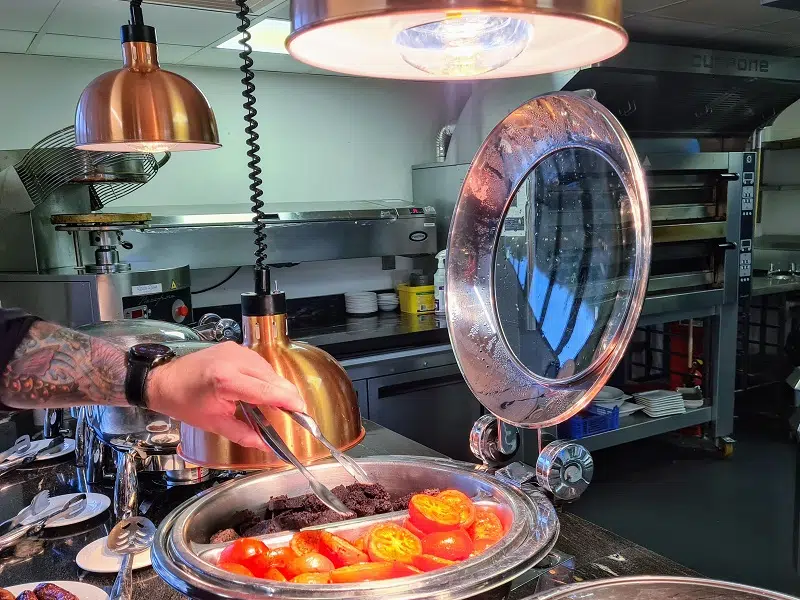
{"x": 660, "y": 403}
{"x": 611, "y": 397}
{"x": 361, "y": 303}
{"x": 388, "y": 302}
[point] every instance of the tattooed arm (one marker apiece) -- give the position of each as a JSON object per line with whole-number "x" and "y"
{"x": 58, "y": 367}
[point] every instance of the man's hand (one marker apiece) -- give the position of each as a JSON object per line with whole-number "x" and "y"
{"x": 202, "y": 389}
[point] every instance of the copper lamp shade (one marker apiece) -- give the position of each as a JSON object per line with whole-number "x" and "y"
{"x": 321, "y": 381}
{"x": 141, "y": 107}
{"x": 454, "y": 39}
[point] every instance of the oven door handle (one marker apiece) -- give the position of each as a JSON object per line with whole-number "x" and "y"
{"x": 728, "y": 246}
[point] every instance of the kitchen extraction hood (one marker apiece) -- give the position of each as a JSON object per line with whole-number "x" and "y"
{"x": 684, "y": 92}
{"x": 655, "y": 91}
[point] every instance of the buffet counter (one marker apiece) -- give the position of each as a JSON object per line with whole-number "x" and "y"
{"x": 584, "y": 551}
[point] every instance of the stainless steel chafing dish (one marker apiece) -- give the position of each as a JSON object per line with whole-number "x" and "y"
{"x": 183, "y": 559}
{"x": 660, "y": 588}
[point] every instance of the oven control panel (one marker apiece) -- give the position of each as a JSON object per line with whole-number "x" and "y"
{"x": 173, "y": 306}
{"x": 749, "y": 170}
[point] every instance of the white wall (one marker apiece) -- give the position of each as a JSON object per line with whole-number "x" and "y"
{"x": 323, "y": 138}
{"x": 780, "y": 210}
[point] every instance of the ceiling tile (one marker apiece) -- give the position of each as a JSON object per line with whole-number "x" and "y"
{"x": 15, "y": 42}
{"x": 263, "y": 61}
{"x": 280, "y": 11}
{"x": 25, "y": 15}
{"x": 103, "y": 18}
{"x": 756, "y": 41}
{"x": 648, "y": 28}
{"x": 640, "y": 6}
{"x": 725, "y": 13}
{"x": 791, "y": 26}
{"x": 86, "y": 47}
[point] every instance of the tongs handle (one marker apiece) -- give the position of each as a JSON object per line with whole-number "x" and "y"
{"x": 273, "y": 439}
{"x": 348, "y": 464}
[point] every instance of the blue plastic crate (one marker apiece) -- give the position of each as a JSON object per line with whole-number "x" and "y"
{"x": 587, "y": 423}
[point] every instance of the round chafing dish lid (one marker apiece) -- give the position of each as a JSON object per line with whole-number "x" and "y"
{"x": 659, "y": 588}
{"x": 129, "y": 332}
{"x": 548, "y": 259}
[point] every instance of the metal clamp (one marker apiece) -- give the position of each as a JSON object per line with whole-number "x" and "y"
{"x": 493, "y": 442}
{"x": 126, "y": 485}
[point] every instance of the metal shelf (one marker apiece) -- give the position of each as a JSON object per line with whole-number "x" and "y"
{"x": 639, "y": 425}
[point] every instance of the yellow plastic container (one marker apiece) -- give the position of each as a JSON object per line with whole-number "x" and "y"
{"x": 417, "y": 299}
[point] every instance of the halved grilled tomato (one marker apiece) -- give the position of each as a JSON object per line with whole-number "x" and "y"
{"x": 405, "y": 570}
{"x": 274, "y": 574}
{"x": 305, "y": 542}
{"x": 429, "y": 562}
{"x": 452, "y": 545}
{"x": 487, "y": 526}
{"x": 340, "y": 551}
{"x": 389, "y": 542}
{"x": 313, "y": 562}
{"x": 413, "y": 528}
{"x": 465, "y": 506}
{"x": 235, "y": 568}
{"x": 431, "y": 514}
{"x": 363, "y": 572}
{"x": 242, "y": 550}
{"x": 280, "y": 557}
{"x": 312, "y": 578}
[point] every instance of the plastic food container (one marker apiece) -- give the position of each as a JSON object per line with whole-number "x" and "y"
{"x": 416, "y": 299}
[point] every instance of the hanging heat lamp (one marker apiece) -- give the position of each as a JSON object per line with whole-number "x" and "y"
{"x": 454, "y": 39}
{"x": 141, "y": 107}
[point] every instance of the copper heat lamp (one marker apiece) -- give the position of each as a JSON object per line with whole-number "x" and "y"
{"x": 454, "y": 39}
{"x": 141, "y": 107}
{"x": 322, "y": 382}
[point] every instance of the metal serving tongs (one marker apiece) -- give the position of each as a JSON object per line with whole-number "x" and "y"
{"x": 71, "y": 508}
{"x": 348, "y": 464}
{"x": 278, "y": 446}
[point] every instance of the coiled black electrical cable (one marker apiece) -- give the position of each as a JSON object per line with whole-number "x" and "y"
{"x": 252, "y": 140}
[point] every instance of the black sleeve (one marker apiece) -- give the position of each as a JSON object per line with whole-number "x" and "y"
{"x": 14, "y": 326}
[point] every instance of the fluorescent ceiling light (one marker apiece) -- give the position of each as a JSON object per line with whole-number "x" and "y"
{"x": 269, "y": 35}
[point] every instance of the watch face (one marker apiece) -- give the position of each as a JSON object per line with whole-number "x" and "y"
{"x": 150, "y": 352}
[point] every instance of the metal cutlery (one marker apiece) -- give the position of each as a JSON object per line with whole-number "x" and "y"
{"x": 55, "y": 446}
{"x": 348, "y": 463}
{"x": 22, "y": 444}
{"x": 16, "y": 463}
{"x": 38, "y": 505}
{"x": 73, "y": 507}
{"x": 273, "y": 439}
{"x": 129, "y": 537}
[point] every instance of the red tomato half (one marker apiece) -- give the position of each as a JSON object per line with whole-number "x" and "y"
{"x": 305, "y": 542}
{"x": 464, "y": 505}
{"x": 428, "y": 562}
{"x": 451, "y": 545}
{"x": 317, "y": 578}
{"x": 340, "y": 551}
{"x": 363, "y": 572}
{"x": 430, "y": 514}
{"x": 390, "y": 542}
{"x": 235, "y": 568}
{"x": 312, "y": 562}
{"x": 242, "y": 550}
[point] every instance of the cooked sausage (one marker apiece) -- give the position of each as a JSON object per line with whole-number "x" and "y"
{"x": 50, "y": 591}
{"x": 27, "y": 595}
{"x": 6, "y": 595}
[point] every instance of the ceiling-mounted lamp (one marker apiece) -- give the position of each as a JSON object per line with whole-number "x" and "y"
{"x": 454, "y": 39}
{"x": 141, "y": 107}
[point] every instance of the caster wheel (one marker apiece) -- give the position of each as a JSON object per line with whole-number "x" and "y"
{"x": 727, "y": 450}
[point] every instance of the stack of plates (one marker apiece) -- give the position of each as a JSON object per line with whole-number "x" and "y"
{"x": 660, "y": 403}
{"x": 388, "y": 301}
{"x": 611, "y": 397}
{"x": 361, "y": 303}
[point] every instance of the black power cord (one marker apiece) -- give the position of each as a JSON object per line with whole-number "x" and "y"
{"x": 221, "y": 283}
{"x": 261, "y": 269}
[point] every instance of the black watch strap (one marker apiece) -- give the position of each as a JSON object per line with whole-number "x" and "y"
{"x": 136, "y": 381}
{"x": 142, "y": 358}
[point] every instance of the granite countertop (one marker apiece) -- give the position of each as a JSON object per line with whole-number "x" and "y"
{"x": 597, "y": 552}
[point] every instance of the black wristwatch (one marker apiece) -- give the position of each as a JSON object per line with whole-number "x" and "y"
{"x": 142, "y": 358}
